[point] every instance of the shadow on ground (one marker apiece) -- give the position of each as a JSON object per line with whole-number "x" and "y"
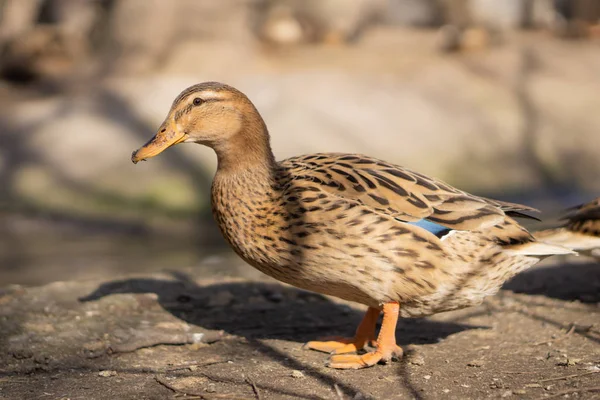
{"x": 265, "y": 310}
{"x": 564, "y": 281}
{"x": 257, "y": 311}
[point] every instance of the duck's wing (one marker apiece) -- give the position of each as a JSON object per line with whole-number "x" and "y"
{"x": 513, "y": 209}
{"x": 399, "y": 192}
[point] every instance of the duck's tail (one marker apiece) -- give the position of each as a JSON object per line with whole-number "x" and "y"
{"x": 539, "y": 249}
{"x": 572, "y": 240}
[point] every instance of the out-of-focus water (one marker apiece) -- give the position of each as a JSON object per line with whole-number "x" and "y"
{"x": 39, "y": 255}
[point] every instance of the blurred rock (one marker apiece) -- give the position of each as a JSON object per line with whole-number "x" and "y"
{"x": 413, "y": 13}
{"x": 284, "y": 22}
{"x": 497, "y": 19}
{"x": 499, "y": 15}
{"x": 44, "y": 52}
{"x": 17, "y": 17}
{"x": 75, "y": 17}
{"x": 576, "y": 18}
{"x": 478, "y": 24}
{"x": 280, "y": 25}
{"x": 145, "y": 33}
{"x": 45, "y": 40}
{"x": 128, "y": 35}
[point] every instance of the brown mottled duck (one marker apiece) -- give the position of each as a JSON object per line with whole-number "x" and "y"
{"x": 581, "y": 232}
{"x": 348, "y": 225}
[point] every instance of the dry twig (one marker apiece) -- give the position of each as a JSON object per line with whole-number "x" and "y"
{"x": 254, "y": 387}
{"x": 339, "y": 392}
{"x": 558, "y": 378}
{"x": 563, "y": 337}
{"x": 144, "y": 339}
{"x": 520, "y": 372}
{"x": 569, "y": 391}
{"x": 196, "y": 365}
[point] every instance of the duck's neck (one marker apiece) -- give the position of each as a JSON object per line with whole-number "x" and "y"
{"x": 243, "y": 187}
{"x": 247, "y": 151}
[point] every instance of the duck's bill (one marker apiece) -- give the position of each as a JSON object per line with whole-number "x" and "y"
{"x": 159, "y": 143}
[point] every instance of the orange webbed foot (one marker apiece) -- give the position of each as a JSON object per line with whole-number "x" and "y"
{"x": 339, "y": 345}
{"x": 386, "y": 344}
{"x": 334, "y": 345}
{"x": 365, "y": 334}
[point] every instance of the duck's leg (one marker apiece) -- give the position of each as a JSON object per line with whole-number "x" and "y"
{"x": 386, "y": 344}
{"x": 365, "y": 333}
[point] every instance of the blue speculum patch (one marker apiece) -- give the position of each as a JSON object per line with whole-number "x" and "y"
{"x": 437, "y": 229}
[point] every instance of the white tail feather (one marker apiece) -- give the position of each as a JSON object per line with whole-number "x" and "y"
{"x": 539, "y": 249}
{"x": 572, "y": 240}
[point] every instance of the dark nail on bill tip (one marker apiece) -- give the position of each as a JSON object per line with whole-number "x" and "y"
{"x": 133, "y": 160}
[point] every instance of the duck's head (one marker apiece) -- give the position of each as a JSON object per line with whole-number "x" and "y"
{"x": 210, "y": 113}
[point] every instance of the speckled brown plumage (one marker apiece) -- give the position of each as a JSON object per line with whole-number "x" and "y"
{"x": 345, "y": 224}
{"x": 308, "y": 225}
{"x": 581, "y": 232}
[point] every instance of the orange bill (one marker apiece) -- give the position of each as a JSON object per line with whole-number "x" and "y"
{"x": 164, "y": 139}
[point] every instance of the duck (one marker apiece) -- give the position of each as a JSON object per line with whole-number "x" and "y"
{"x": 581, "y": 232}
{"x": 349, "y": 225}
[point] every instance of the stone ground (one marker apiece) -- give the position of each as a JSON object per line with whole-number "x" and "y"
{"x": 171, "y": 335}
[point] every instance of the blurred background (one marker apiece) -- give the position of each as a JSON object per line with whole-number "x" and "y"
{"x": 500, "y": 98}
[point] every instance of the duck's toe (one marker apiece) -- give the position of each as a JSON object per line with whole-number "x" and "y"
{"x": 352, "y": 361}
{"x": 349, "y": 348}
{"x": 365, "y": 334}
{"x": 337, "y": 345}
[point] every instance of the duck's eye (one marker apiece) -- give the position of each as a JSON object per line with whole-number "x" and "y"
{"x": 197, "y": 101}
